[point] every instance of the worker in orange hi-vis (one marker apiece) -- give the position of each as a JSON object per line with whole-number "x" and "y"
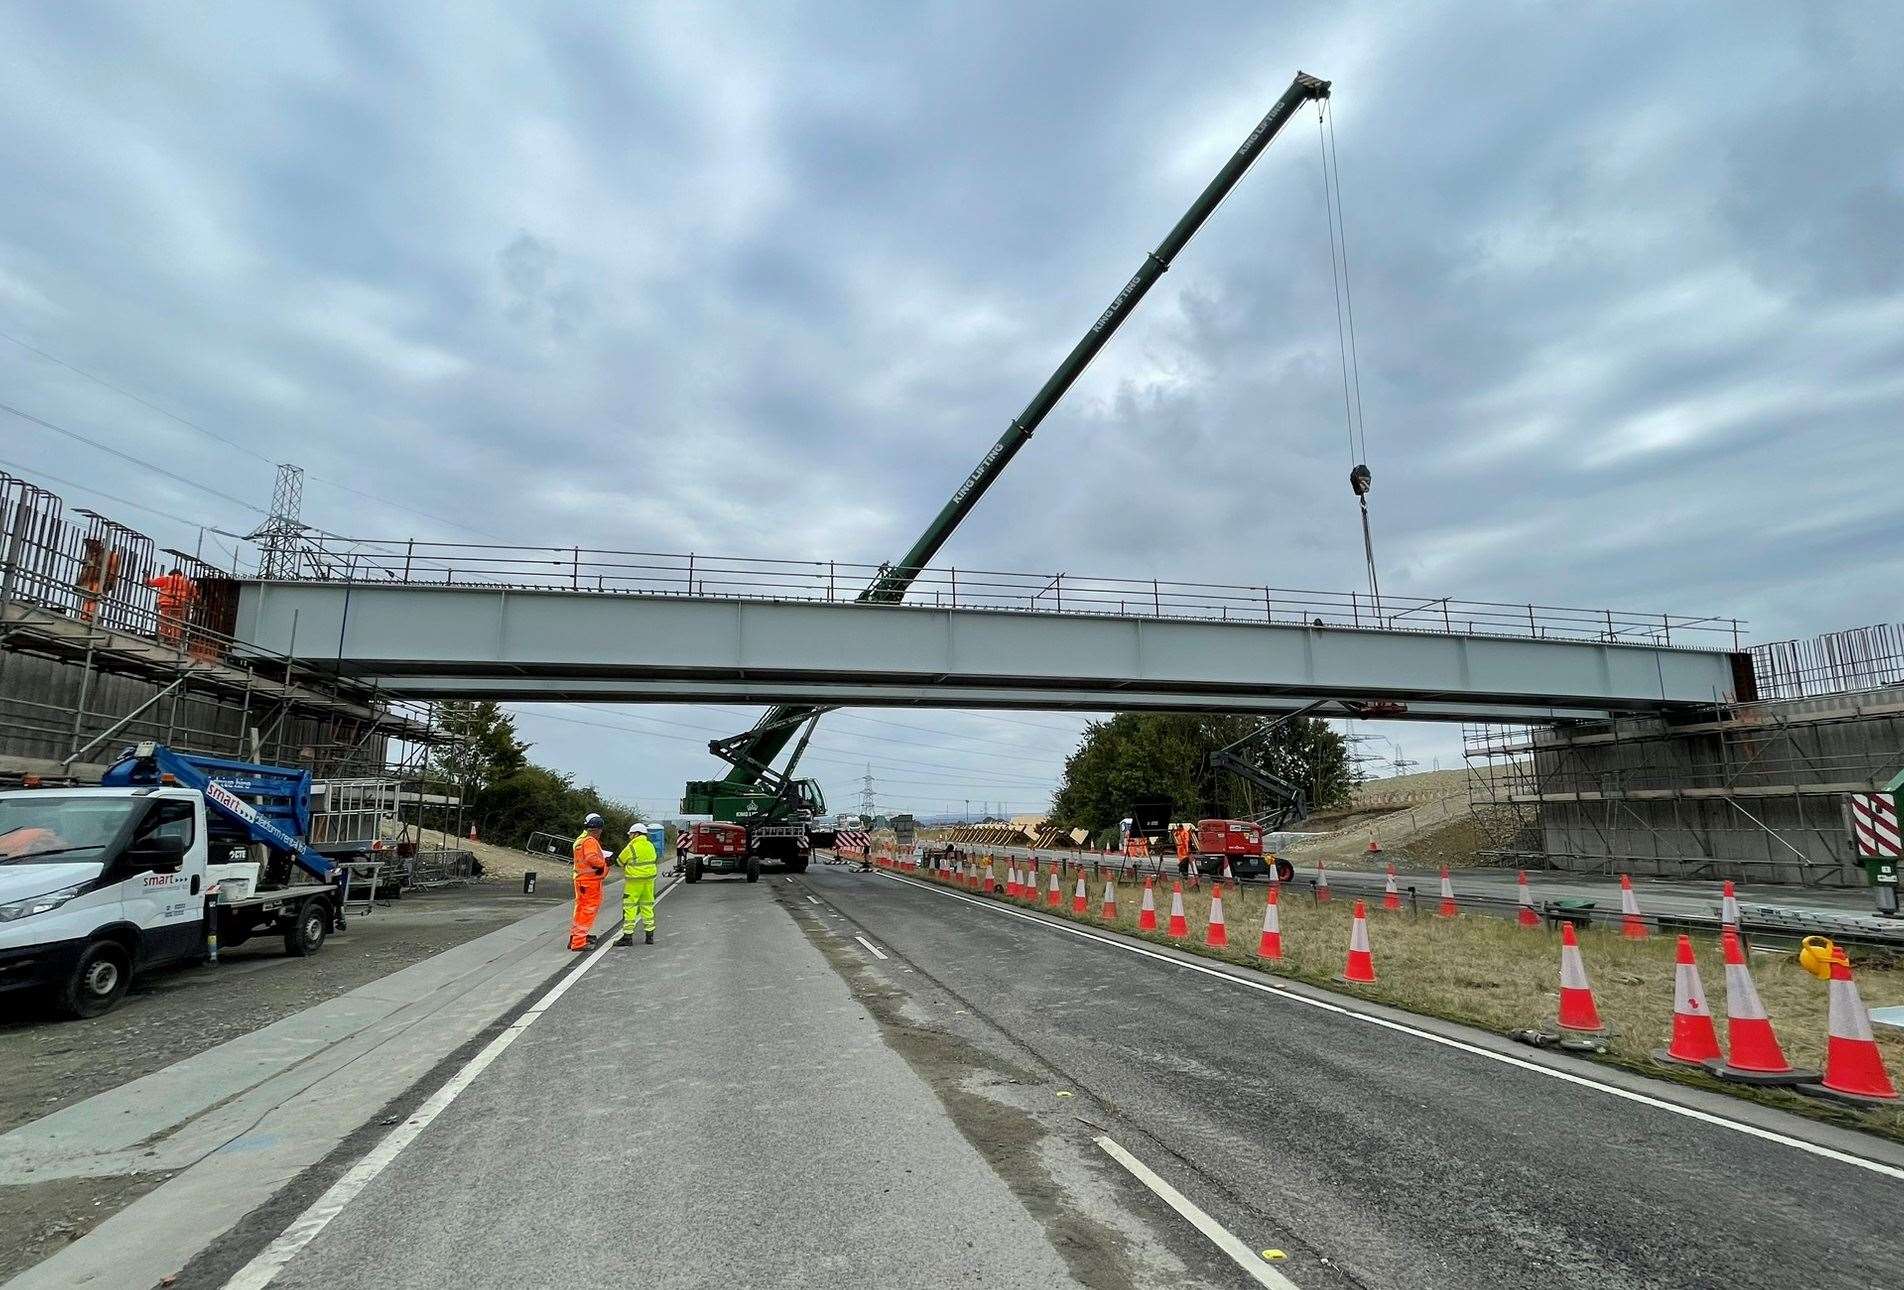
{"x": 591, "y": 866}
{"x": 1183, "y": 854}
{"x": 176, "y": 594}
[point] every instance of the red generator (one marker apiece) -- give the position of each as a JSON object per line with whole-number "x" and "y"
{"x": 1241, "y": 843}
{"x": 717, "y": 848}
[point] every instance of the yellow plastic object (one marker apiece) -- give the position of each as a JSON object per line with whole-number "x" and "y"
{"x": 1816, "y": 954}
{"x": 1273, "y": 1255}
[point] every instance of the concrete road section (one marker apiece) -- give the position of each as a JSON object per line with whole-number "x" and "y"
{"x": 750, "y": 1101}
{"x": 1399, "y": 1160}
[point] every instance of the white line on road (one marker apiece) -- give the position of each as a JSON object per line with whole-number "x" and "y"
{"x": 814, "y": 899}
{"x": 877, "y": 952}
{"x": 1219, "y": 1235}
{"x": 1506, "y": 1059}
{"x": 271, "y": 1260}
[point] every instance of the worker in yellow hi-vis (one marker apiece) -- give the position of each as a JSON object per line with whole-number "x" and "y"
{"x": 638, "y": 866}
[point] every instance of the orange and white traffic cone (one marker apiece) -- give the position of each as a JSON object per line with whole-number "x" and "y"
{"x": 1179, "y": 926}
{"x": 1374, "y": 847}
{"x": 1448, "y": 908}
{"x": 1360, "y": 969}
{"x": 1729, "y": 907}
{"x": 1753, "y": 1054}
{"x": 1391, "y": 898}
{"x": 990, "y": 882}
{"x": 1271, "y": 945}
{"x": 1854, "y": 1068}
{"x": 1108, "y": 909}
{"x": 1527, "y": 916}
{"x": 1217, "y": 933}
{"x": 1632, "y": 926}
{"x": 1694, "y": 1041}
{"x": 1322, "y": 883}
{"x": 1011, "y": 880}
{"x": 1147, "y": 912}
{"x": 1227, "y": 875}
{"x": 1577, "y": 1010}
{"x": 1079, "y": 901}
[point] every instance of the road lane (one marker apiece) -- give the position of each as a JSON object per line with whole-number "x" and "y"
{"x": 1404, "y": 1162}
{"x": 724, "y": 1109}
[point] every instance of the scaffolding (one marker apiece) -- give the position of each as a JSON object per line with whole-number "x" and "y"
{"x": 1753, "y": 790}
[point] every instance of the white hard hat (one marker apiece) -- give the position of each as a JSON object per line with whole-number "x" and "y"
{"x": 635, "y": 828}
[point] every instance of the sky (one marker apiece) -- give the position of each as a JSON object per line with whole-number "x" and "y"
{"x": 766, "y": 280}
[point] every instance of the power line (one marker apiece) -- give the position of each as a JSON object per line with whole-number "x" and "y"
{"x": 36, "y": 472}
{"x": 189, "y": 424}
{"x": 126, "y": 456}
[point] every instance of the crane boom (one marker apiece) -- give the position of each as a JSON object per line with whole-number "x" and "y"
{"x": 751, "y": 753}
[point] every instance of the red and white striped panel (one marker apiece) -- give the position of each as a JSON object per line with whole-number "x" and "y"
{"x": 1874, "y": 824}
{"x": 850, "y": 841}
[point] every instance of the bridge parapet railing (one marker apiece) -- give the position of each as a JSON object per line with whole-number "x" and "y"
{"x": 615, "y": 572}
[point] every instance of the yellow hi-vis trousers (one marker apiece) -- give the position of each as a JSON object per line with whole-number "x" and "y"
{"x": 637, "y": 903}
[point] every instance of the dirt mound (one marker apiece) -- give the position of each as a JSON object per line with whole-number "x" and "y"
{"x": 1424, "y": 817}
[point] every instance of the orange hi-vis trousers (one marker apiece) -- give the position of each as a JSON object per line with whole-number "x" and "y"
{"x": 588, "y": 901}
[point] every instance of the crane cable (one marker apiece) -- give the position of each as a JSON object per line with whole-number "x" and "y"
{"x": 1360, "y": 480}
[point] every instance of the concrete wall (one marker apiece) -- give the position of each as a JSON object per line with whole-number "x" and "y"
{"x": 39, "y": 697}
{"x": 1722, "y": 799}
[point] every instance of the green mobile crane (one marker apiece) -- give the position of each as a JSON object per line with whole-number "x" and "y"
{"x": 777, "y": 809}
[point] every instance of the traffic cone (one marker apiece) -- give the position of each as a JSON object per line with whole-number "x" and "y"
{"x": 1729, "y": 907}
{"x": 1011, "y": 880}
{"x": 1632, "y": 926}
{"x": 1271, "y": 945}
{"x": 1053, "y": 897}
{"x": 1179, "y": 926}
{"x": 1527, "y": 916}
{"x": 1753, "y": 1055}
{"x": 1079, "y": 901}
{"x": 1694, "y": 1041}
{"x": 1577, "y": 1010}
{"x": 1147, "y": 912}
{"x": 1448, "y": 908}
{"x": 1374, "y": 847}
{"x": 1854, "y": 1068}
{"x": 1217, "y": 933}
{"x": 1391, "y": 899}
{"x": 1108, "y": 911}
{"x": 989, "y": 882}
{"x": 1361, "y": 966}
{"x": 1322, "y": 883}
{"x": 1227, "y": 875}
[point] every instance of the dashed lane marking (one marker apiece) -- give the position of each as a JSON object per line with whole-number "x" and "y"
{"x": 877, "y": 952}
{"x": 1505, "y": 1059}
{"x": 1220, "y": 1236}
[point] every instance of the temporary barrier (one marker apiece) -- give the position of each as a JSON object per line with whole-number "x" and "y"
{"x": 1217, "y": 933}
{"x": 1854, "y": 1068}
{"x": 1753, "y": 1054}
{"x": 1179, "y": 926}
{"x": 1694, "y": 1041}
{"x": 1147, "y": 912}
{"x": 1577, "y": 1010}
{"x": 1448, "y": 908}
{"x": 1632, "y": 926}
{"x": 1527, "y": 916}
{"x": 1391, "y": 898}
{"x": 1271, "y": 945}
{"x": 1360, "y": 969}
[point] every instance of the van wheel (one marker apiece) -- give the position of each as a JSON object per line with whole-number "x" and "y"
{"x": 753, "y": 868}
{"x": 306, "y": 933}
{"x": 98, "y": 982}
{"x": 694, "y": 869}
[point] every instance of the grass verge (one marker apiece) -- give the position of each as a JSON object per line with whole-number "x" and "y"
{"x": 1491, "y": 973}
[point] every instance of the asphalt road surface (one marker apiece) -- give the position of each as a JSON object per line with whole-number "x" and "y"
{"x": 847, "y": 1079}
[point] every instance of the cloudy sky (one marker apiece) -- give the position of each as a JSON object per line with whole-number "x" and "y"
{"x": 766, "y": 280}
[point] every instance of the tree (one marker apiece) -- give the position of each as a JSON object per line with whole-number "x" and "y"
{"x": 485, "y": 746}
{"x": 1140, "y": 754}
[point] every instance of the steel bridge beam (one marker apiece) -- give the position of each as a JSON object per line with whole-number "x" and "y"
{"x": 418, "y": 641}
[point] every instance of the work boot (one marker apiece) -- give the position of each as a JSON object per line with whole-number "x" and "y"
{"x": 577, "y": 949}
{"x": 627, "y": 938}
{"x": 650, "y": 936}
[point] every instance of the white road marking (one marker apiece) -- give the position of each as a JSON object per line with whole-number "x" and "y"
{"x": 271, "y": 1260}
{"x": 1506, "y": 1059}
{"x": 1219, "y": 1235}
{"x": 877, "y": 952}
{"x": 814, "y": 899}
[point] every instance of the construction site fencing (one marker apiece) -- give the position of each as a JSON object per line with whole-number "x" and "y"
{"x": 1858, "y": 658}
{"x": 455, "y": 564}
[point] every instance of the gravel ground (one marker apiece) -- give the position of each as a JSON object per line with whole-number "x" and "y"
{"x": 177, "y": 1012}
